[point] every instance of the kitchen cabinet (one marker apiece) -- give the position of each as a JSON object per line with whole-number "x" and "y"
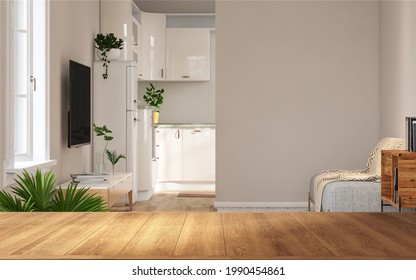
{"x": 169, "y": 154}
{"x": 136, "y": 32}
{"x": 188, "y": 54}
{"x": 185, "y": 154}
{"x": 198, "y": 152}
{"x": 152, "y": 46}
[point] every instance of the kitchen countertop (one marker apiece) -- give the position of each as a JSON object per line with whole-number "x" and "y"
{"x": 185, "y": 125}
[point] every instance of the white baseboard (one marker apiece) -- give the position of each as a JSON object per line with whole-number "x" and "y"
{"x": 233, "y": 204}
{"x": 145, "y": 195}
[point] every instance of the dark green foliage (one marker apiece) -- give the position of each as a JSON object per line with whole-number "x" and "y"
{"x": 38, "y": 188}
{"x": 37, "y": 193}
{"x": 8, "y": 203}
{"x": 103, "y": 131}
{"x": 153, "y": 97}
{"x": 76, "y": 200}
{"x": 105, "y": 43}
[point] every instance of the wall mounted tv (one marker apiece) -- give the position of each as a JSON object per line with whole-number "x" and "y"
{"x": 79, "y": 112}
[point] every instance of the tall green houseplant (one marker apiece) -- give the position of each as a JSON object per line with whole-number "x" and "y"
{"x": 154, "y": 99}
{"x": 105, "y": 43}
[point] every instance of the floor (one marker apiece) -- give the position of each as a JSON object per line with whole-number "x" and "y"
{"x": 196, "y": 235}
{"x": 172, "y": 201}
{"x": 176, "y": 197}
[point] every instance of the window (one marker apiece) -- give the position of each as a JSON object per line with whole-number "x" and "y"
{"x": 27, "y": 94}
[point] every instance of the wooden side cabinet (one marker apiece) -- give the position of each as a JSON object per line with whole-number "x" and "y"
{"x": 398, "y": 178}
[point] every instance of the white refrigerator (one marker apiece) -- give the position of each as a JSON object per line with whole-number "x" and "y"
{"x": 117, "y": 105}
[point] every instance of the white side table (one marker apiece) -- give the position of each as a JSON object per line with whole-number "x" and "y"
{"x": 112, "y": 190}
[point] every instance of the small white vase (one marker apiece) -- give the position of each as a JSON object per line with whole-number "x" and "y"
{"x": 113, "y": 54}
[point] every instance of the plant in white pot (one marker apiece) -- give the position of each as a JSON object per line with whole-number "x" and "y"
{"x": 108, "y": 45}
{"x": 154, "y": 99}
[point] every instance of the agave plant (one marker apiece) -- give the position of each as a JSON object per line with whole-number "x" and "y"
{"x": 37, "y": 193}
{"x": 113, "y": 157}
{"x": 8, "y": 203}
{"x": 76, "y": 200}
{"x": 39, "y": 189}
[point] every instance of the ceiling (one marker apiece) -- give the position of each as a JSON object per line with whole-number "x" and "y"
{"x": 176, "y": 7}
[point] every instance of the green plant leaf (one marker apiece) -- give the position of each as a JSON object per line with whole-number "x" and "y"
{"x": 8, "y": 203}
{"x": 38, "y": 189}
{"x": 76, "y": 200}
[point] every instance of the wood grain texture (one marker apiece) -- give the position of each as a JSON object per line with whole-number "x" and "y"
{"x": 208, "y": 235}
{"x": 14, "y": 221}
{"x": 63, "y": 239}
{"x": 288, "y": 236}
{"x": 113, "y": 236}
{"x": 158, "y": 237}
{"x": 33, "y": 230}
{"x": 245, "y": 236}
{"x": 202, "y": 235}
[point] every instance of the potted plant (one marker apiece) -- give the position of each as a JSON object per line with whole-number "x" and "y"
{"x": 114, "y": 157}
{"x": 105, "y": 132}
{"x": 108, "y": 47}
{"x": 154, "y": 99}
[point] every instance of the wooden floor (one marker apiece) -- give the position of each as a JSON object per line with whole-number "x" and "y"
{"x": 213, "y": 235}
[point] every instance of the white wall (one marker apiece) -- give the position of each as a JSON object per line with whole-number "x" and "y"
{"x": 188, "y": 102}
{"x": 398, "y": 65}
{"x": 297, "y": 92}
{"x": 73, "y": 26}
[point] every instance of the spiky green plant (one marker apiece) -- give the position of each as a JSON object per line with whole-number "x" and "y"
{"x": 9, "y": 203}
{"x": 76, "y": 200}
{"x": 38, "y": 188}
{"x": 113, "y": 157}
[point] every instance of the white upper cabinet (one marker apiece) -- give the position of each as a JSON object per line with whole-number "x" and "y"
{"x": 187, "y": 54}
{"x": 152, "y": 47}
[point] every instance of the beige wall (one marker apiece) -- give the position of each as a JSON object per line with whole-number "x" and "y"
{"x": 2, "y": 89}
{"x": 73, "y": 25}
{"x": 188, "y": 102}
{"x": 398, "y": 65}
{"x": 297, "y": 92}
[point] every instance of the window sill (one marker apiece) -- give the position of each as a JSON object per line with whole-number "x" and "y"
{"x": 29, "y": 166}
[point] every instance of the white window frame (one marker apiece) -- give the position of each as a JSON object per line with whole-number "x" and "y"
{"x": 38, "y": 133}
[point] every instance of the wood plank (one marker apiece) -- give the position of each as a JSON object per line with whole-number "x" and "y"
{"x": 245, "y": 236}
{"x": 158, "y": 237}
{"x": 111, "y": 238}
{"x": 63, "y": 239}
{"x": 398, "y": 228}
{"x": 290, "y": 237}
{"x": 5, "y": 215}
{"x": 371, "y": 233}
{"x": 339, "y": 235}
{"x": 202, "y": 235}
{"x": 31, "y": 231}
{"x": 13, "y": 221}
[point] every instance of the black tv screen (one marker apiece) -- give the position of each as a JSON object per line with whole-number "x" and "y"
{"x": 79, "y": 113}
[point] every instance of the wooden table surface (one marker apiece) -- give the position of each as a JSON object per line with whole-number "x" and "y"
{"x": 207, "y": 235}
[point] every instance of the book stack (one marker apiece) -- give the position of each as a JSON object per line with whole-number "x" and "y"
{"x": 88, "y": 178}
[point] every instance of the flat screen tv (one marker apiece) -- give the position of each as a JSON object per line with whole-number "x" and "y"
{"x": 79, "y": 113}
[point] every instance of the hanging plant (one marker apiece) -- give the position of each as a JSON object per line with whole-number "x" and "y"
{"x": 105, "y": 43}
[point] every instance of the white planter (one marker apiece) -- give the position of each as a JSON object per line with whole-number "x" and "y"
{"x": 113, "y": 54}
